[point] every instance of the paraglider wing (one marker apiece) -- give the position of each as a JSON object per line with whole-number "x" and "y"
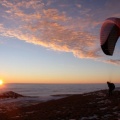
{"x": 110, "y": 32}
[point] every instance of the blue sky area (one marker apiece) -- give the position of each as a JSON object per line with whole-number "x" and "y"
{"x": 56, "y": 41}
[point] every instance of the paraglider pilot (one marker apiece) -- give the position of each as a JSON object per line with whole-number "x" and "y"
{"x": 111, "y": 87}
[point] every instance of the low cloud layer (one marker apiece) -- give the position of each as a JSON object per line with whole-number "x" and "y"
{"x": 39, "y": 22}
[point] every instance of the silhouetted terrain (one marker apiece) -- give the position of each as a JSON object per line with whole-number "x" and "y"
{"x": 95, "y": 106}
{"x": 10, "y": 94}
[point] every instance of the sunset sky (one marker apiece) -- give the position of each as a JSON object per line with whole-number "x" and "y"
{"x": 56, "y": 41}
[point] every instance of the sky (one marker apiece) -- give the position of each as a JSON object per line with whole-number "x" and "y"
{"x": 56, "y": 41}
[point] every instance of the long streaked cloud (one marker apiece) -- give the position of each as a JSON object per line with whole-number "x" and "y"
{"x": 38, "y": 23}
{"x": 114, "y": 61}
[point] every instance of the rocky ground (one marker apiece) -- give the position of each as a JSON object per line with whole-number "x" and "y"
{"x": 90, "y": 106}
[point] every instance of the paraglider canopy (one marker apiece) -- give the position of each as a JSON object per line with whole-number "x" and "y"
{"x": 110, "y": 32}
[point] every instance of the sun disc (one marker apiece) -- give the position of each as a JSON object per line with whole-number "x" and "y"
{"x": 1, "y": 82}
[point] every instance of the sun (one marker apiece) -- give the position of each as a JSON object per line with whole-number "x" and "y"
{"x": 1, "y": 82}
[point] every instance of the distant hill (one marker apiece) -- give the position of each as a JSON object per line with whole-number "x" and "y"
{"x": 10, "y": 94}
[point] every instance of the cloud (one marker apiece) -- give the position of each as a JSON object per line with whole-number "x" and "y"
{"x": 52, "y": 28}
{"x": 78, "y": 5}
{"x": 114, "y": 61}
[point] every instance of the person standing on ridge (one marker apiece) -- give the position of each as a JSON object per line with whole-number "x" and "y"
{"x": 111, "y": 87}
